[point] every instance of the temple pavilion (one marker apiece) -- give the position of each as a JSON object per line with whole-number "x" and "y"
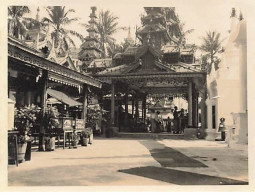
{"x": 159, "y": 65}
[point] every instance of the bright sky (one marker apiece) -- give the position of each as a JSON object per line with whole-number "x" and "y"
{"x": 200, "y": 15}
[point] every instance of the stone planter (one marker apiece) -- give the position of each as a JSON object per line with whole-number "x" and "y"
{"x": 84, "y": 141}
{"x": 22, "y": 151}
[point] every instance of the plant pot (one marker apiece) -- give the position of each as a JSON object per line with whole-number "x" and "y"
{"x": 28, "y": 151}
{"x": 75, "y": 143}
{"x": 91, "y": 138}
{"x": 85, "y": 141}
{"x": 21, "y": 151}
{"x": 50, "y": 143}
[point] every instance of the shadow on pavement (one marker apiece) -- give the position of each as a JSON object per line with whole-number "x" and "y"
{"x": 61, "y": 175}
{"x": 180, "y": 177}
{"x": 168, "y": 157}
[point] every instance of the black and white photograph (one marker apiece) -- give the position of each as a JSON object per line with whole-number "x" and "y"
{"x": 126, "y": 94}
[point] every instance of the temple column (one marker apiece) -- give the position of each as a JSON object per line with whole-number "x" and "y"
{"x": 190, "y": 104}
{"x": 136, "y": 109}
{"x": 133, "y": 105}
{"x": 241, "y": 117}
{"x": 126, "y": 109}
{"x": 85, "y": 103}
{"x": 243, "y": 77}
{"x": 144, "y": 108}
{"x": 194, "y": 107}
{"x": 44, "y": 84}
{"x": 113, "y": 103}
{"x": 202, "y": 106}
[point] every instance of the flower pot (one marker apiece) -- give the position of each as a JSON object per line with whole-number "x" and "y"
{"x": 85, "y": 141}
{"x": 50, "y": 143}
{"x": 28, "y": 151}
{"x": 91, "y": 138}
{"x": 22, "y": 151}
{"x": 75, "y": 143}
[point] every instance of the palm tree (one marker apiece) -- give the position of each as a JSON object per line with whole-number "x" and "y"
{"x": 57, "y": 20}
{"x": 212, "y": 46}
{"x": 107, "y": 25}
{"x": 16, "y": 21}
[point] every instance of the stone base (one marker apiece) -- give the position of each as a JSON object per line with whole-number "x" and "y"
{"x": 190, "y": 133}
{"x": 241, "y": 128}
{"x": 212, "y": 134}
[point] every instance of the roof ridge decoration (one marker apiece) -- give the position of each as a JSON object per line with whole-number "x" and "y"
{"x": 144, "y": 48}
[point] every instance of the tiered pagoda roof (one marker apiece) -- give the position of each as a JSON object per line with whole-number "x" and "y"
{"x": 160, "y": 21}
{"x": 90, "y": 49}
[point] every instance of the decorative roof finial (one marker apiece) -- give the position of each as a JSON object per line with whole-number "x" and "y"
{"x": 93, "y": 10}
{"x": 241, "y": 16}
{"x": 129, "y": 34}
{"x": 37, "y": 14}
{"x": 233, "y": 13}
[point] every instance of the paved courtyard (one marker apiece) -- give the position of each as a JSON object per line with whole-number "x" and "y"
{"x": 119, "y": 161}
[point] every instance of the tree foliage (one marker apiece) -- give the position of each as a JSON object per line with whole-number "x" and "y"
{"x": 58, "y": 18}
{"x": 17, "y": 21}
{"x": 211, "y": 45}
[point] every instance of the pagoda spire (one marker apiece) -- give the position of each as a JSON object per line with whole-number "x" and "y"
{"x": 234, "y": 20}
{"x": 37, "y": 14}
{"x": 129, "y": 34}
{"x": 90, "y": 49}
{"x": 233, "y": 13}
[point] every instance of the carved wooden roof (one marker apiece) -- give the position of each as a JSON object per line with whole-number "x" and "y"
{"x": 154, "y": 76}
{"x": 32, "y": 57}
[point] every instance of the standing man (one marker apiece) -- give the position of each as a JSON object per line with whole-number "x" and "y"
{"x": 168, "y": 124}
{"x": 176, "y": 120}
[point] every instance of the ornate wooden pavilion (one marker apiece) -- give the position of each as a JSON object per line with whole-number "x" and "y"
{"x": 157, "y": 67}
{"x": 148, "y": 75}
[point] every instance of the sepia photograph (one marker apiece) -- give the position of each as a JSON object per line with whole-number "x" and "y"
{"x": 132, "y": 93}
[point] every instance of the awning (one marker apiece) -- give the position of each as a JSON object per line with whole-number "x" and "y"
{"x": 63, "y": 97}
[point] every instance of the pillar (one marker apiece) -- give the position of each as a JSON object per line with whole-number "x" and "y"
{"x": 44, "y": 83}
{"x": 202, "y": 106}
{"x": 126, "y": 109}
{"x": 144, "y": 109}
{"x": 209, "y": 114}
{"x": 136, "y": 109}
{"x": 194, "y": 107}
{"x": 243, "y": 77}
{"x": 133, "y": 105}
{"x": 190, "y": 104}
{"x": 85, "y": 102}
{"x": 113, "y": 103}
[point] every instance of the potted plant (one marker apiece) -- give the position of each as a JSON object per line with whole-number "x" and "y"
{"x": 24, "y": 119}
{"x": 50, "y": 122}
{"x": 85, "y": 137}
{"x": 90, "y": 131}
{"x": 75, "y": 140}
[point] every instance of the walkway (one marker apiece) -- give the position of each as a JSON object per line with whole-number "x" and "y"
{"x": 119, "y": 161}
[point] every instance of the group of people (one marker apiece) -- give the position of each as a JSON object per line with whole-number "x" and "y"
{"x": 179, "y": 121}
{"x": 175, "y": 126}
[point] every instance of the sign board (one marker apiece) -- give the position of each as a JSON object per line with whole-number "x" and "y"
{"x": 79, "y": 124}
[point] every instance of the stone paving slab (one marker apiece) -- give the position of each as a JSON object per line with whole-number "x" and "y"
{"x": 101, "y": 163}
